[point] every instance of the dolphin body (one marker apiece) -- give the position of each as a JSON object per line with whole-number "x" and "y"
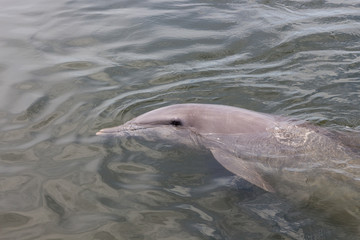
{"x": 275, "y": 153}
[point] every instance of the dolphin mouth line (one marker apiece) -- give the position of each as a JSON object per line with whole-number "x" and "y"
{"x": 122, "y": 130}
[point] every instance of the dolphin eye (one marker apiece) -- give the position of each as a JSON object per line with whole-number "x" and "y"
{"x": 176, "y": 122}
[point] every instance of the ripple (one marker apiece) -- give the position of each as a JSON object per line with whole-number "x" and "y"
{"x": 12, "y": 220}
{"x": 70, "y": 68}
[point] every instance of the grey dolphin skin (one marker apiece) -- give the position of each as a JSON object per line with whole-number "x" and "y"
{"x": 277, "y": 154}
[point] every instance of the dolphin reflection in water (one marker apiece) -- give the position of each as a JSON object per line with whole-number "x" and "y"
{"x": 292, "y": 158}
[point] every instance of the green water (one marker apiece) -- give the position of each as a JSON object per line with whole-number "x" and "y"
{"x": 70, "y": 68}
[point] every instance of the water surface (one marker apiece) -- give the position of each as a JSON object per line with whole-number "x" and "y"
{"x": 70, "y": 68}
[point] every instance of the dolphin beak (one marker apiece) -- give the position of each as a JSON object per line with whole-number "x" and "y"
{"x": 126, "y": 129}
{"x": 111, "y": 131}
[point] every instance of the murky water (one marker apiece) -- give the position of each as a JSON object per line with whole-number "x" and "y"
{"x": 70, "y": 68}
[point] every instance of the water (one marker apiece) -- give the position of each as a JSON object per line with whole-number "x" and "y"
{"x": 70, "y": 68}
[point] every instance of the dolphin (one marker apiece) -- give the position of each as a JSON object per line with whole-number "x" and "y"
{"x": 250, "y": 144}
{"x": 278, "y": 154}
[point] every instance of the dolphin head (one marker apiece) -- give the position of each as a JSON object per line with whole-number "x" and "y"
{"x": 188, "y": 123}
{"x": 202, "y": 118}
{"x": 174, "y": 123}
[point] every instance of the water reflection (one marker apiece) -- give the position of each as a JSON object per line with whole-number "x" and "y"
{"x": 70, "y": 68}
